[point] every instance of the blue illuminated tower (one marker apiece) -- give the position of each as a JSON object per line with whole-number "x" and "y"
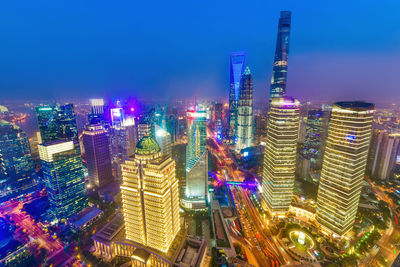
{"x": 279, "y": 70}
{"x": 237, "y": 67}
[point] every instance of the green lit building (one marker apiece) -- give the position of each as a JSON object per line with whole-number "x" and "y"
{"x": 65, "y": 181}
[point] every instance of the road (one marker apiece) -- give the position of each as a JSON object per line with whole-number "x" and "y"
{"x": 255, "y": 229}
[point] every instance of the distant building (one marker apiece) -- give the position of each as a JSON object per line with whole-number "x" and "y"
{"x": 150, "y": 197}
{"x": 65, "y": 181}
{"x": 279, "y": 70}
{"x": 237, "y": 64}
{"x": 96, "y": 114}
{"x": 97, "y": 155}
{"x": 245, "y": 112}
{"x": 196, "y": 158}
{"x": 260, "y": 127}
{"x": 280, "y": 155}
{"x": 384, "y": 151}
{"x": 123, "y": 142}
{"x": 218, "y": 117}
{"x": 344, "y": 166}
{"x": 57, "y": 122}
{"x": 163, "y": 138}
{"x": 16, "y": 163}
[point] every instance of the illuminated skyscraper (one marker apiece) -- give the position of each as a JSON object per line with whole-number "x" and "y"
{"x": 163, "y": 138}
{"x": 57, "y": 123}
{"x": 279, "y": 70}
{"x": 280, "y": 154}
{"x": 16, "y": 163}
{"x": 97, "y": 155}
{"x": 245, "y": 111}
{"x": 96, "y": 111}
{"x": 196, "y": 158}
{"x": 218, "y": 116}
{"x": 65, "y": 181}
{"x": 343, "y": 166}
{"x": 123, "y": 142}
{"x": 237, "y": 67}
{"x": 150, "y": 197}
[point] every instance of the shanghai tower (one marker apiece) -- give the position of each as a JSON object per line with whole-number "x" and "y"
{"x": 279, "y": 70}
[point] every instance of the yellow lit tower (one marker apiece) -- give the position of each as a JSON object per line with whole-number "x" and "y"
{"x": 150, "y": 196}
{"x": 343, "y": 166}
{"x": 280, "y": 155}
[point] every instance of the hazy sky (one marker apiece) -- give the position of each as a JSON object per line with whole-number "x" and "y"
{"x": 178, "y": 49}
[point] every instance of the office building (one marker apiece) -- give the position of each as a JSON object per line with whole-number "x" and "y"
{"x": 65, "y": 181}
{"x": 280, "y": 155}
{"x": 96, "y": 114}
{"x": 218, "y": 118}
{"x": 315, "y": 128}
{"x": 245, "y": 112}
{"x": 163, "y": 138}
{"x": 57, "y": 122}
{"x": 279, "y": 70}
{"x": 196, "y": 158}
{"x": 384, "y": 149}
{"x": 97, "y": 155}
{"x": 237, "y": 64}
{"x": 16, "y": 163}
{"x": 150, "y": 197}
{"x": 343, "y": 166}
{"x": 123, "y": 141}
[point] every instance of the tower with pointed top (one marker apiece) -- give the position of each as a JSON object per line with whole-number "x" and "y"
{"x": 245, "y": 111}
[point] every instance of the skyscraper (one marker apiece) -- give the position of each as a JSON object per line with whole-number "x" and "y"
{"x": 16, "y": 163}
{"x": 65, "y": 181}
{"x": 237, "y": 65}
{"x": 280, "y": 154}
{"x": 163, "y": 138}
{"x": 196, "y": 158}
{"x": 343, "y": 166}
{"x": 245, "y": 111}
{"x": 96, "y": 111}
{"x": 150, "y": 197}
{"x": 218, "y": 115}
{"x": 97, "y": 155}
{"x": 123, "y": 142}
{"x": 57, "y": 122}
{"x": 279, "y": 70}
{"x": 314, "y": 137}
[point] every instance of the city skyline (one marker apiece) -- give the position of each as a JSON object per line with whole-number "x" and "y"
{"x": 328, "y": 61}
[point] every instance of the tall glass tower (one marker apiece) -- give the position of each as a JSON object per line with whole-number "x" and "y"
{"x": 245, "y": 111}
{"x": 196, "y": 157}
{"x": 237, "y": 65}
{"x": 16, "y": 163}
{"x": 65, "y": 181}
{"x": 57, "y": 122}
{"x": 343, "y": 166}
{"x": 150, "y": 197}
{"x": 280, "y": 155}
{"x": 279, "y": 70}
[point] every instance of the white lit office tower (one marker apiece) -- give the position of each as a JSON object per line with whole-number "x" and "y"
{"x": 150, "y": 197}
{"x": 196, "y": 160}
{"x": 280, "y": 155}
{"x": 163, "y": 138}
{"x": 343, "y": 166}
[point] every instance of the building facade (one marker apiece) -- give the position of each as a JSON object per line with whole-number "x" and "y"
{"x": 163, "y": 138}
{"x": 245, "y": 112}
{"x": 196, "y": 156}
{"x": 16, "y": 163}
{"x": 150, "y": 197}
{"x": 280, "y": 155}
{"x": 97, "y": 154}
{"x": 65, "y": 181}
{"x": 237, "y": 64}
{"x": 343, "y": 166}
{"x": 279, "y": 70}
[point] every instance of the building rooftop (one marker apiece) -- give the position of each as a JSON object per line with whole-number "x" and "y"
{"x": 141, "y": 255}
{"x": 355, "y": 105}
{"x": 80, "y": 219}
{"x": 147, "y": 146}
{"x": 111, "y": 229}
{"x": 192, "y": 253}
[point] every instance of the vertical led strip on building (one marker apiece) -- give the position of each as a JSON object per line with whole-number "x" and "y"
{"x": 280, "y": 155}
{"x": 343, "y": 166}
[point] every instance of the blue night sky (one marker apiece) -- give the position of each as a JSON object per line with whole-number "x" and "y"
{"x": 340, "y": 50}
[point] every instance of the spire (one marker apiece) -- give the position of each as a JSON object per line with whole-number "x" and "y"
{"x": 247, "y": 71}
